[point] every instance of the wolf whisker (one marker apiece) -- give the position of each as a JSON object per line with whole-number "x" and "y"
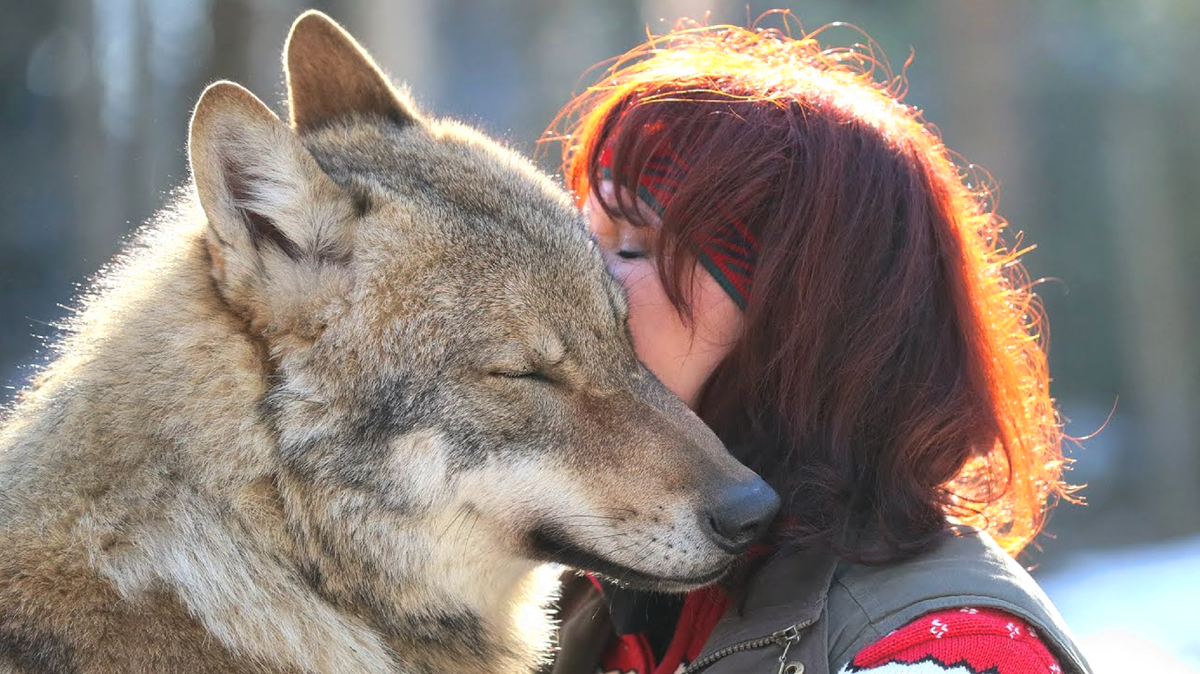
{"x": 595, "y": 517}
{"x": 457, "y": 515}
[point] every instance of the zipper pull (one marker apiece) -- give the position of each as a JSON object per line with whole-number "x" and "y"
{"x": 786, "y": 638}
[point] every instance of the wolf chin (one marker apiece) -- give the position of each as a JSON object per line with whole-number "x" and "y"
{"x": 337, "y": 408}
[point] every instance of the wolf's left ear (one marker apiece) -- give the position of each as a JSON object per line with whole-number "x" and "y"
{"x": 329, "y": 77}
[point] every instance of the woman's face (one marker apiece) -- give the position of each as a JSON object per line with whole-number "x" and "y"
{"x": 681, "y": 356}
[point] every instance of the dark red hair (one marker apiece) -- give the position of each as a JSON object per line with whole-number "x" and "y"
{"x": 890, "y": 373}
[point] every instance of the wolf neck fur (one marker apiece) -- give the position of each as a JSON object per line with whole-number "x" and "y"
{"x": 432, "y": 579}
{"x": 253, "y": 598}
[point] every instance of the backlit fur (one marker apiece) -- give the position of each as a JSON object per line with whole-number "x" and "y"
{"x": 337, "y": 406}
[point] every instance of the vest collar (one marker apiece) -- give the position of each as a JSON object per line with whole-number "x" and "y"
{"x": 778, "y": 598}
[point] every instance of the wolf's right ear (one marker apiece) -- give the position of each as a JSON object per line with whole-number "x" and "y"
{"x": 271, "y": 210}
{"x": 330, "y": 76}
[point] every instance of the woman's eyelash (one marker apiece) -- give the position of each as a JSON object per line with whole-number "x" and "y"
{"x": 631, "y": 254}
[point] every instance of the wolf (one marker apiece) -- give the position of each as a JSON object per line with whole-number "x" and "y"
{"x": 343, "y": 407}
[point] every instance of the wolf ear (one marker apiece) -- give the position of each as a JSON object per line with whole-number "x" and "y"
{"x": 329, "y": 76}
{"x": 268, "y": 204}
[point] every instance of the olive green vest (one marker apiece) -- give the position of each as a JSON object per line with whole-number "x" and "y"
{"x": 839, "y": 608}
{"x": 809, "y": 613}
{"x": 866, "y": 603}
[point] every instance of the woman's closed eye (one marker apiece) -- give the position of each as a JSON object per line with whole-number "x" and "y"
{"x": 629, "y": 254}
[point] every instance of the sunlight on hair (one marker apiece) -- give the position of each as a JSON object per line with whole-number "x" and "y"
{"x": 997, "y": 415}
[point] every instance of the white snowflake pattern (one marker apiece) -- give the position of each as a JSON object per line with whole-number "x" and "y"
{"x": 968, "y": 609}
{"x": 937, "y": 628}
{"x": 1055, "y": 669}
{"x": 1014, "y": 630}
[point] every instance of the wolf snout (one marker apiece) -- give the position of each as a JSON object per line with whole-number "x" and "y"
{"x": 740, "y": 514}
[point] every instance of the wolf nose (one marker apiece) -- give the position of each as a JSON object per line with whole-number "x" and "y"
{"x": 740, "y": 514}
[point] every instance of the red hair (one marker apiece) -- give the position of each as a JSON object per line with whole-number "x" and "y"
{"x": 890, "y": 373}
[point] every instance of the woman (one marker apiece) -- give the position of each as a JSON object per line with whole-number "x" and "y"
{"x": 807, "y": 269}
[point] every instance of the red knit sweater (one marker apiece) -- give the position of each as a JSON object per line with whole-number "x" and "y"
{"x": 955, "y": 641}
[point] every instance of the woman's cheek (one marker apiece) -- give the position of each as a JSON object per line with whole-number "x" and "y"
{"x": 659, "y": 336}
{"x": 647, "y": 299}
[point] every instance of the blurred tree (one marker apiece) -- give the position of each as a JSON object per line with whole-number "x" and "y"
{"x": 1157, "y": 287}
{"x": 40, "y": 73}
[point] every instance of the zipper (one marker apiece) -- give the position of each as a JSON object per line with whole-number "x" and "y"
{"x": 784, "y": 638}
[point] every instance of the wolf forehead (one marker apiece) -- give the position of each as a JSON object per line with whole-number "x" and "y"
{"x": 460, "y": 215}
{"x": 444, "y": 167}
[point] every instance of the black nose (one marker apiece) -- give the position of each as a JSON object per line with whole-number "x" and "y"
{"x": 740, "y": 513}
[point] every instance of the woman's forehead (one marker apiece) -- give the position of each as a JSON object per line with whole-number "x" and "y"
{"x": 615, "y": 197}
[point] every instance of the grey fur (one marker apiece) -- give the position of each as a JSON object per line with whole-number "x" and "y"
{"x": 286, "y": 431}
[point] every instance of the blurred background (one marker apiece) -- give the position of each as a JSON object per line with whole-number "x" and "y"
{"x": 1086, "y": 112}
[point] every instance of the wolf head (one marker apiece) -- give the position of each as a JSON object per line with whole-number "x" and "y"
{"x": 451, "y": 366}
